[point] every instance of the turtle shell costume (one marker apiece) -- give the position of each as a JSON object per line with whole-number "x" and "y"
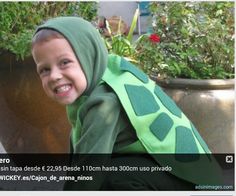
{"x": 123, "y": 111}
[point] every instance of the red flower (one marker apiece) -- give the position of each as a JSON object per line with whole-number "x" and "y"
{"x": 154, "y": 38}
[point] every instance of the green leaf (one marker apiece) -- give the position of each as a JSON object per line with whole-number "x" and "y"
{"x": 133, "y": 25}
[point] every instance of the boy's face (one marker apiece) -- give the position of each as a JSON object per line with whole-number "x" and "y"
{"x": 60, "y": 72}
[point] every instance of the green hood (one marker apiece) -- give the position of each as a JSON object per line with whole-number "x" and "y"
{"x": 86, "y": 43}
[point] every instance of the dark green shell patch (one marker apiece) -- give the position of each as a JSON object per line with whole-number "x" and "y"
{"x": 167, "y": 102}
{"x": 161, "y": 126}
{"x": 127, "y": 66}
{"x": 185, "y": 142}
{"x": 141, "y": 99}
{"x": 197, "y": 135}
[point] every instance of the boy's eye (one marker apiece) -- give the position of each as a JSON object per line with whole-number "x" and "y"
{"x": 44, "y": 71}
{"x": 64, "y": 62}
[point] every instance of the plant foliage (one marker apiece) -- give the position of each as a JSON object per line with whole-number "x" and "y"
{"x": 196, "y": 40}
{"x": 18, "y": 21}
{"x": 121, "y": 44}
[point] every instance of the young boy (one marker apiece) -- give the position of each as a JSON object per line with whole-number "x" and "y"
{"x": 113, "y": 108}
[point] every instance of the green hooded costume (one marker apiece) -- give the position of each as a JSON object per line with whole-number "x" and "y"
{"x": 123, "y": 111}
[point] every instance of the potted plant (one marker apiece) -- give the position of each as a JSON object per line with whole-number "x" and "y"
{"x": 119, "y": 43}
{"x": 190, "y": 53}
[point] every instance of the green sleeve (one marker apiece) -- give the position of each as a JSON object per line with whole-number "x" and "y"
{"x": 103, "y": 127}
{"x": 104, "y": 124}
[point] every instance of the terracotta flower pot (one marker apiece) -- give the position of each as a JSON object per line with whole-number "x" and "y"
{"x": 29, "y": 121}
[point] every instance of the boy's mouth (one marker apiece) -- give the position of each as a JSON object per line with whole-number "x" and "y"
{"x": 62, "y": 89}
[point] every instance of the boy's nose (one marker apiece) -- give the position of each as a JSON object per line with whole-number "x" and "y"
{"x": 55, "y": 75}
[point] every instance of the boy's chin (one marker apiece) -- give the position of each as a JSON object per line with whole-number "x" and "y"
{"x": 65, "y": 102}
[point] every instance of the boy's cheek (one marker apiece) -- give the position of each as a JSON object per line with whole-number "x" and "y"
{"x": 46, "y": 90}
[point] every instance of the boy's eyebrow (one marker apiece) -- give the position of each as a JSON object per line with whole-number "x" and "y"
{"x": 39, "y": 66}
{"x": 64, "y": 54}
